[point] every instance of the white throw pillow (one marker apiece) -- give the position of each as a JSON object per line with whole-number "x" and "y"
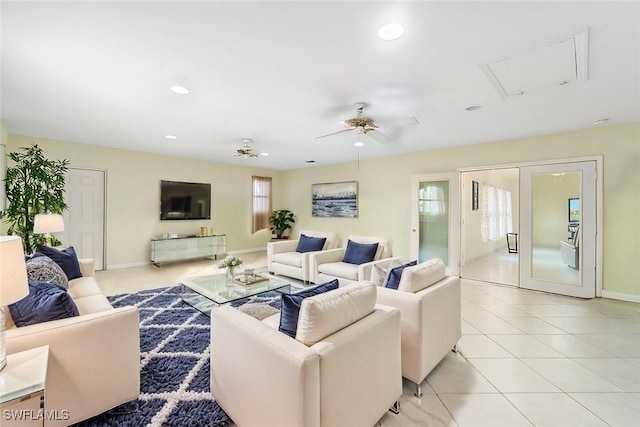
{"x": 421, "y": 276}
{"x": 324, "y": 314}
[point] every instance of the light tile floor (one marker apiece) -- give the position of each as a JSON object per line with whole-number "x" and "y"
{"x": 525, "y": 359}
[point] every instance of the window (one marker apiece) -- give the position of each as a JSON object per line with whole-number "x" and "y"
{"x": 431, "y": 199}
{"x": 261, "y": 205}
{"x": 497, "y": 219}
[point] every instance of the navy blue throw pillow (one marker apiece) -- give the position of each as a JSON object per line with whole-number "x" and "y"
{"x": 66, "y": 258}
{"x": 395, "y": 274}
{"x": 45, "y": 302}
{"x": 290, "y": 307}
{"x": 359, "y": 253}
{"x": 310, "y": 244}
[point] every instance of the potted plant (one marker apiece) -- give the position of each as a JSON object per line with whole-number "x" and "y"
{"x": 34, "y": 185}
{"x": 281, "y": 221}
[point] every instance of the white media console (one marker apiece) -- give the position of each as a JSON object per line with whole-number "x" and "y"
{"x": 169, "y": 249}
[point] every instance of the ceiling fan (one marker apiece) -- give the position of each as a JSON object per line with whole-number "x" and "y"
{"x": 246, "y": 151}
{"x": 366, "y": 126}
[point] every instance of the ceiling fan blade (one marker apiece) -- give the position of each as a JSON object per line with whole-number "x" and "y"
{"x": 397, "y": 122}
{"x": 410, "y": 121}
{"x": 378, "y": 136}
{"x": 334, "y": 133}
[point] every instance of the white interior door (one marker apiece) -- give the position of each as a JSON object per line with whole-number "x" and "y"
{"x": 558, "y": 222}
{"x": 84, "y": 221}
{"x": 435, "y": 219}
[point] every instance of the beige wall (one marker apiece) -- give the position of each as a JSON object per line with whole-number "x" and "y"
{"x": 384, "y": 185}
{"x": 133, "y": 196}
{"x": 384, "y": 192}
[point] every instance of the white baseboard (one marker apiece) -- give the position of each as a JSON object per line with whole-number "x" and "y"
{"x": 129, "y": 265}
{"x": 621, "y": 297}
{"x": 246, "y": 251}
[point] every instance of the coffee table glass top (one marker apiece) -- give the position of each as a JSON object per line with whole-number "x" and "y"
{"x": 217, "y": 289}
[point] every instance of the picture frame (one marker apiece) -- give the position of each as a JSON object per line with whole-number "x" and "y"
{"x": 335, "y": 199}
{"x": 475, "y": 188}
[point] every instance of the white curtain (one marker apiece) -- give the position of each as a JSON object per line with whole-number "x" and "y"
{"x": 432, "y": 201}
{"x": 497, "y": 219}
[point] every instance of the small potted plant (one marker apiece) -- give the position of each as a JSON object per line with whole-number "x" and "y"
{"x": 281, "y": 221}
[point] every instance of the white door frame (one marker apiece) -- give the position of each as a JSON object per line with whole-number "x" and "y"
{"x": 599, "y": 193}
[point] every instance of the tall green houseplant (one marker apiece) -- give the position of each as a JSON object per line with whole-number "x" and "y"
{"x": 281, "y": 220}
{"x": 34, "y": 185}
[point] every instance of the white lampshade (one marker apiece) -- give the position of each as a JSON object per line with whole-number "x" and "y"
{"x": 13, "y": 272}
{"x": 48, "y": 223}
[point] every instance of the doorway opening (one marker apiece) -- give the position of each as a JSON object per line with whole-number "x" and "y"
{"x": 489, "y": 225}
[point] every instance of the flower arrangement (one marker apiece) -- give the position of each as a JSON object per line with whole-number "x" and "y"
{"x": 231, "y": 262}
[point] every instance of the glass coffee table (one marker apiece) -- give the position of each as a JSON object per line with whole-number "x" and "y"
{"x": 206, "y": 292}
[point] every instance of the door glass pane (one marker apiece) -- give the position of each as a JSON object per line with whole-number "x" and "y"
{"x": 433, "y": 208}
{"x": 555, "y": 227}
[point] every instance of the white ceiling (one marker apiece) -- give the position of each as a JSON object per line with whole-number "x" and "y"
{"x": 282, "y": 73}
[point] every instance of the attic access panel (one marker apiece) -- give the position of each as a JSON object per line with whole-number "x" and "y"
{"x": 554, "y": 63}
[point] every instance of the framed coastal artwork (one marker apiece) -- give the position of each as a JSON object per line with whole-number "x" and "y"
{"x": 335, "y": 199}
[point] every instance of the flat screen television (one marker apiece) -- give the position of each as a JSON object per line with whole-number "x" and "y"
{"x": 184, "y": 200}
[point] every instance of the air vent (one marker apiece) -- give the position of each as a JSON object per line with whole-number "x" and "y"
{"x": 552, "y": 64}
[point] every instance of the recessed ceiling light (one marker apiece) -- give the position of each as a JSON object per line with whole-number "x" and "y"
{"x": 473, "y": 107}
{"x": 264, "y": 154}
{"x": 180, "y": 90}
{"x": 170, "y": 136}
{"x": 358, "y": 143}
{"x": 391, "y": 32}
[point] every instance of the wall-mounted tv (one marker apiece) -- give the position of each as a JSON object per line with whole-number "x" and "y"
{"x": 184, "y": 200}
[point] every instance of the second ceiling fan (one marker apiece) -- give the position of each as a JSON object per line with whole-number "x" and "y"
{"x": 366, "y": 126}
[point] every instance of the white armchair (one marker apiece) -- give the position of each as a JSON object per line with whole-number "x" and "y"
{"x": 329, "y": 265}
{"x": 283, "y": 259}
{"x": 430, "y": 308}
{"x": 329, "y": 375}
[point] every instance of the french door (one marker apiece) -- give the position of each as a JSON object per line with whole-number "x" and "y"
{"x": 558, "y": 222}
{"x": 435, "y": 217}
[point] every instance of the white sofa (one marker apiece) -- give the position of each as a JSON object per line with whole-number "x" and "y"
{"x": 94, "y": 358}
{"x": 328, "y": 265}
{"x": 351, "y": 377}
{"x": 283, "y": 259}
{"x": 430, "y": 308}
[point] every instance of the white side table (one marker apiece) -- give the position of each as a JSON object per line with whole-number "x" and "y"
{"x": 22, "y": 385}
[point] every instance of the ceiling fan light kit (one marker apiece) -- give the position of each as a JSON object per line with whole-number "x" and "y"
{"x": 366, "y": 126}
{"x": 246, "y": 151}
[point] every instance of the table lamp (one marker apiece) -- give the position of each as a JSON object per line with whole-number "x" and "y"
{"x": 47, "y": 224}
{"x": 14, "y": 284}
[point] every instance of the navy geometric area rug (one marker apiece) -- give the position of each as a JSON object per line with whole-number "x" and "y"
{"x": 174, "y": 366}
